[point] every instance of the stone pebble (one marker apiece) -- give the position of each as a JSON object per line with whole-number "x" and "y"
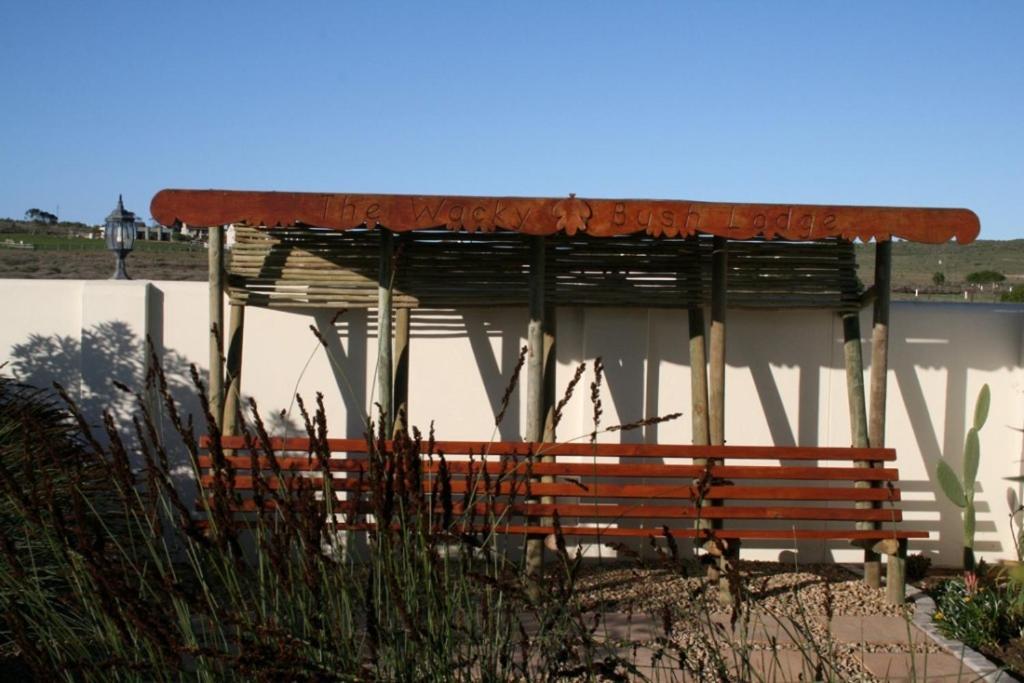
{"x": 690, "y": 624}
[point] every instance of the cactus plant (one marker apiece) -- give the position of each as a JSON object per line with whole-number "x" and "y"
{"x": 960, "y": 491}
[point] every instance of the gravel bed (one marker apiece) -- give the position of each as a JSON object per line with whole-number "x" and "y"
{"x": 684, "y": 617}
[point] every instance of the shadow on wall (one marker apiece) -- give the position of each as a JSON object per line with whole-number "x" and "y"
{"x": 111, "y": 352}
{"x": 958, "y": 350}
{"x": 345, "y": 337}
{"x": 107, "y": 352}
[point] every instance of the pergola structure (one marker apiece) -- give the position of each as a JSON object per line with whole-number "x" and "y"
{"x": 399, "y": 252}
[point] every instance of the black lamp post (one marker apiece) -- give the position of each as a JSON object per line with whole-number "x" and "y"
{"x": 120, "y": 235}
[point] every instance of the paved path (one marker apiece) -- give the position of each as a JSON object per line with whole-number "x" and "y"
{"x": 889, "y": 648}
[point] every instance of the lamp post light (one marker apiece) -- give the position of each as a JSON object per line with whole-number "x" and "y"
{"x": 120, "y": 236}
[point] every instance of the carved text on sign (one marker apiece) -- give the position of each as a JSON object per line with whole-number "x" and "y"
{"x": 545, "y": 216}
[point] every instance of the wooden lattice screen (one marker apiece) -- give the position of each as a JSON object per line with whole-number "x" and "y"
{"x": 301, "y": 267}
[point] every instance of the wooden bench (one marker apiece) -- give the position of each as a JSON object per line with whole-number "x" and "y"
{"x": 607, "y": 492}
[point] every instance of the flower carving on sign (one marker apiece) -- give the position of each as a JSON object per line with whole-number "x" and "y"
{"x": 572, "y": 214}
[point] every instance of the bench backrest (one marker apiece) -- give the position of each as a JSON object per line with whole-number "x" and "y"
{"x": 611, "y": 489}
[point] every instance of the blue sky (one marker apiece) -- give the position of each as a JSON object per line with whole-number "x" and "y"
{"x": 910, "y": 103}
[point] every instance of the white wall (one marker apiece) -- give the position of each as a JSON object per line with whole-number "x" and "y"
{"x": 785, "y": 379}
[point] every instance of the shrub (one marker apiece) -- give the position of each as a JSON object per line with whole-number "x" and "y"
{"x": 939, "y": 278}
{"x": 42, "y": 456}
{"x": 280, "y": 595}
{"x": 917, "y": 566}
{"x": 1013, "y": 296}
{"x": 981, "y": 617}
{"x": 981, "y": 277}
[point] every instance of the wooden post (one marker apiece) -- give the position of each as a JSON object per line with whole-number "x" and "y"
{"x": 384, "y": 319}
{"x": 880, "y": 343}
{"x": 719, "y": 270}
{"x": 535, "y": 380}
{"x": 896, "y": 575}
{"x": 698, "y": 354}
{"x": 716, "y": 391}
{"x": 535, "y": 344}
{"x": 548, "y": 407}
{"x": 215, "y": 254}
{"x": 728, "y": 566}
{"x": 879, "y": 370}
{"x": 401, "y": 393}
{"x": 550, "y": 368}
{"x": 699, "y": 399}
{"x": 698, "y": 377}
{"x": 854, "y": 360}
{"x": 233, "y": 385}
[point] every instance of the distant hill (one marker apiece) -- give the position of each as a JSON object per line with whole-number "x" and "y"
{"x": 914, "y": 265}
{"x": 54, "y": 251}
{"x": 13, "y": 225}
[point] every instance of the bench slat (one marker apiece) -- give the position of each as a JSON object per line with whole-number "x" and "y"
{"x": 304, "y": 464}
{"x": 618, "y": 511}
{"x": 685, "y": 532}
{"x": 602, "y": 490}
{"x": 592, "y": 491}
{"x": 586, "y": 449}
{"x": 753, "y": 534}
{"x": 658, "y": 532}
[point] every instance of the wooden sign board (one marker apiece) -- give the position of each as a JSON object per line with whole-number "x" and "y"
{"x": 572, "y": 215}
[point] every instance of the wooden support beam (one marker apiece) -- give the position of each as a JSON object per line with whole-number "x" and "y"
{"x": 719, "y": 274}
{"x": 699, "y": 386}
{"x": 401, "y": 370}
{"x": 384, "y": 321}
{"x": 535, "y": 344}
{"x": 880, "y": 343}
{"x": 698, "y": 377}
{"x": 716, "y": 380}
{"x": 550, "y": 369}
{"x": 548, "y": 404}
{"x": 699, "y": 395}
{"x": 896, "y": 575}
{"x": 233, "y": 388}
{"x": 879, "y": 372}
{"x": 215, "y": 255}
{"x": 698, "y": 351}
{"x": 535, "y": 413}
{"x": 728, "y": 566}
{"x": 854, "y": 361}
